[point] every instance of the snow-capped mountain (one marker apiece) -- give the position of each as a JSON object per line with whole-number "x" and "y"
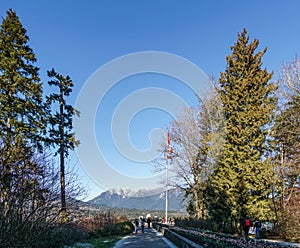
{"x": 134, "y": 193}
{"x": 151, "y": 199}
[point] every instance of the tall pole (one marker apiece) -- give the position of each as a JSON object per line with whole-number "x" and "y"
{"x": 168, "y": 156}
{"x": 167, "y": 189}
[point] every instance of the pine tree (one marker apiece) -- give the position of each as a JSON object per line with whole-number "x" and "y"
{"x": 241, "y": 181}
{"x": 21, "y": 106}
{"x": 61, "y": 125}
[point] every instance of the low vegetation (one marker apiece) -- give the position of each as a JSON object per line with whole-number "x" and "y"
{"x": 217, "y": 240}
{"x": 192, "y": 231}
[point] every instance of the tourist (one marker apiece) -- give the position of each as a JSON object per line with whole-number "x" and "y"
{"x": 136, "y": 225}
{"x": 148, "y": 222}
{"x": 142, "y": 221}
{"x": 247, "y": 225}
{"x": 257, "y": 226}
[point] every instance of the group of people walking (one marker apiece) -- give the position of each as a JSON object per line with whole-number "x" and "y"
{"x": 141, "y": 223}
{"x": 256, "y": 225}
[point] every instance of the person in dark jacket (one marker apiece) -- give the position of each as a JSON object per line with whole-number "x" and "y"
{"x": 136, "y": 225}
{"x": 257, "y": 226}
{"x": 148, "y": 222}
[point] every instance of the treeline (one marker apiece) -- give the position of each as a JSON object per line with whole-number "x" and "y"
{"x": 237, "y": 153}
{"x": 33, "y": 190}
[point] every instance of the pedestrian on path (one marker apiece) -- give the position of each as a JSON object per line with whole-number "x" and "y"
{"x": 148, "y": 222}
{"x": 257, "y": 226}
{"x": 136, "y": 225}
{"x": 247, "y": 224}
{"x": 142, "y": 221}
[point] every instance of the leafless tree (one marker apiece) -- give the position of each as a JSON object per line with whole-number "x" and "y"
{"x": 196, "y": 140}
{"x": 287, "y": 147}
{"x": 31, "y": 211}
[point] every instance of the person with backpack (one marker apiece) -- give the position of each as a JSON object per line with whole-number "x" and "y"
{"x": 247, "y": 224}
{"x": 257, "y": 226}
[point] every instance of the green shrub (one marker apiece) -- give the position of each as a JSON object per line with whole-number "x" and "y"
{"x": 197, "y": 223}
{"x": 66, "y": 234}
{"x": 115, "y": 229}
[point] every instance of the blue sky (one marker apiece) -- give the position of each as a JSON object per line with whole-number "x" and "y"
{"x": 78, "y": 37}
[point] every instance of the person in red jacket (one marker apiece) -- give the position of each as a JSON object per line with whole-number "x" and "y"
{"x": 247, "y": 224}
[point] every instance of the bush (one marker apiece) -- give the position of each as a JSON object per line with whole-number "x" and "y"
{"x": 289, "y": 227}
{"x": 197, "y": 223}
{"x": 66, "y": 234}
{"x": 115, "y": 229}
{"x": 98, "y": 221}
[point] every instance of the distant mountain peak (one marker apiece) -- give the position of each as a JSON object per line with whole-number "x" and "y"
{"x": 151, "y": 199}
{"x": 126, "y": 192}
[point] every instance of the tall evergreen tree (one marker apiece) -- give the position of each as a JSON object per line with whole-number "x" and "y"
{"x": 21, "y": 107}
{"x": 61, "y": 125}
{"x": 241, "y": 182}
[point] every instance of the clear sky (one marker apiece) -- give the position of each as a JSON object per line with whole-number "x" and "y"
{"x": 79, "y": 37}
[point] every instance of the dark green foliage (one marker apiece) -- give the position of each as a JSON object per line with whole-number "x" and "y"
{"x": 105, "y": 242}
{"x": 27, "y": 181}
{"x": 65, "y": 234}
{"x": 61, "y": 121}
{"x": 190, "y": 208}
{"x": 197, "y": 223}
{"x": 21, "y": 108}
{"x": 242, "y": 179}
{"x": 115, "y": 229}
{"x": 61, "y": 125}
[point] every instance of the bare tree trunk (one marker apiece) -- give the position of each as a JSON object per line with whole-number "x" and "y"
{"x": 7, "y": 169}
{"x": 197, "y": 203}
{"x": 62, "y": 156}
{"x": 282, "y": 175}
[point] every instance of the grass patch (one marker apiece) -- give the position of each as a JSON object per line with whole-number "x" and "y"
{"x": 105, "y": 242}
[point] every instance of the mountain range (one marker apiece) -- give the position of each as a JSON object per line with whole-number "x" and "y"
{"x": 150, "y": 199}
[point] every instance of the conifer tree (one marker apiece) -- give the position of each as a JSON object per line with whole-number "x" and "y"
{"x": 61, "y": 125}
{"x": 241, "y": 182}
{"x": 21, "y": 106}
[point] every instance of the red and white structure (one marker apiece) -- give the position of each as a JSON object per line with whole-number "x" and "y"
{"x": 168, "y": 155}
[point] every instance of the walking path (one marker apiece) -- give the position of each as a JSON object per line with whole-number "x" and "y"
{"x": 149, "y": 239}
